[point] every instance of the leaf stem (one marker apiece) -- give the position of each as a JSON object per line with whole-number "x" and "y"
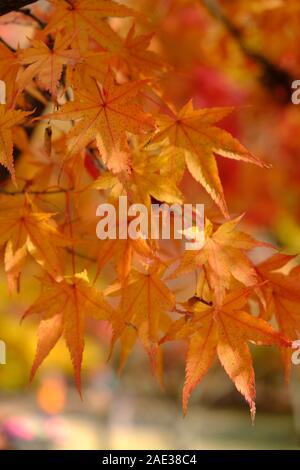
{"x": 273, "y": 76}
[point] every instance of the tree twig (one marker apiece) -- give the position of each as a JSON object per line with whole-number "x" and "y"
{"x": 36, "y": 193}
{"x": 273, "y": 77}
{"x": 27, "y": 12}
{"x": 81, "y": 255}
{"x": 7, "y": 45}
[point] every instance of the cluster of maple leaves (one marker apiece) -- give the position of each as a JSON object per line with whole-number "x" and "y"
{"x": 120, "y": 135}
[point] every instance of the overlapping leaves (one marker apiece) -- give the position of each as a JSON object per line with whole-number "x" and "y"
{"x": 118, "y": 124}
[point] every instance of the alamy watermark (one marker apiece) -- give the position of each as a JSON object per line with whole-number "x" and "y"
{"x": 163, "y": 221}
{"x": 296, "y": 93}
{"x": 296, "y": 354}
{"x": 2, "y": 352}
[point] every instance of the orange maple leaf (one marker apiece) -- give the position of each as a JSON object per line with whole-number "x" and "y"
{"x": 8, "y": 71}
{"x": 63, "y": 307}
{"x": 130, "y": 59}
{"x": 152, "y": 173}
{"x": 133, "y": 57}
{"x": 222, "y": 331}
{"x": 223, "y": 258}
{"x": 282, "y": 299}
{"x": 47, "y": 160}
{"x": 24, "y": 229}
{"x": 195, "y": 131}
{"x": 122, "y": 252}
{"x": 9, "y": 118}
{"x": 87, "y": 18}
{"x": 105, "y": 113}
{"x": 142, "y": 312}
{"x": 45, "y": 63}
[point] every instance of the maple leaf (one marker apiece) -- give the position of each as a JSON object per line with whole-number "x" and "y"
{"x": 130, "y": 59}
{"x": 105, "y": 113}
{"x": 153, "y": 173}
{"x": 223, "y": 258}
{"x": 98, "y": 61}
{"x": 9, "y": 119}
{"x": 142, "y": 312}
{"x": 222, "y": 331}
{"x": 134, "y": 59}
{"x": 24, "y": 229}
{"x": 282, "y": 299}
{"x": 8, "y": 71}
{"x": 47, "y": 160}
{"x": 195, "y": 131}
{"x": 63, "y": 307}
{"x": 122, "y": 252}
{"x": 45, "y": 63}
{"x": 93, "y": 65}
{"x": 86, "y": 19}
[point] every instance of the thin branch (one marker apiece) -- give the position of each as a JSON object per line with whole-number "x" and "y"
{"x": 7, "y": 45}
{"x": 273, "y": 76}
{"x": 203, "y": 301}
{"x": 81, "y": 255}
{"x": 37, "y": 193}
{"x": 27, "y": 12}
{"x": 186, "y": 313}
{"x": 6, "y": 6}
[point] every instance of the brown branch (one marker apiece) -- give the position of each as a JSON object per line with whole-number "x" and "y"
{"x": 27, "y": 12}
{"x": 7, "y": 45}
{"x": 36, "y": 193}
{"x": 274, "y": 77}
{"x": 81, "y": 255}
{"x": 6, "y": 6}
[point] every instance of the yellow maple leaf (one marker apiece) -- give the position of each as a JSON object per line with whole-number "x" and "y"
{"x": 152, "y": 173}
{"x": 195, "y": 131}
